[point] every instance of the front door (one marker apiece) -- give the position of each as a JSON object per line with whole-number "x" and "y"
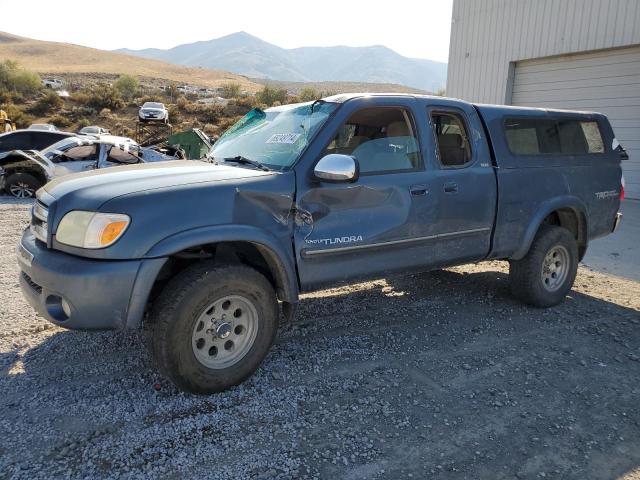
{"x": 383, "y": 221}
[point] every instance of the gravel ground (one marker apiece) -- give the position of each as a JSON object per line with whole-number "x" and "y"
{"x": 441, "y": 375}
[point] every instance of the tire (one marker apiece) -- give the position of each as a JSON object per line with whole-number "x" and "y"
{"x": 22, "y": 185}
{"x": 187, "y": 326}
{"x": 546, "y": 274}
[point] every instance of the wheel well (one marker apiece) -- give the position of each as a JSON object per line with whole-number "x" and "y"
{"x": 243, "y": 252}
{"x": 35, "y": 173}
{"x": 573, "y": 221}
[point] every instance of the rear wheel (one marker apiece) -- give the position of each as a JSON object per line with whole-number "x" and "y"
{"x": 22, "y": 185}
{"x": 546, "y": 274}
{"x": 213, "y": 325}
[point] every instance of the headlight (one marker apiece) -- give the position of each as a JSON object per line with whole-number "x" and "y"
{"x": 90, "y": 229}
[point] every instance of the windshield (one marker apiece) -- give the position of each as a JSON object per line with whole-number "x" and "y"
{"x": 275, "y": 137}
{"x": 152, "y": 105}
{"x": 61, "y": 146}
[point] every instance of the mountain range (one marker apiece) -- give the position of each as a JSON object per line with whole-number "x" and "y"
{"x": 248, "y": 55}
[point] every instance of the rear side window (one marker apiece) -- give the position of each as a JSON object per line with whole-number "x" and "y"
{"x": 533, "y": 136}
{"x": 452, "y": 139}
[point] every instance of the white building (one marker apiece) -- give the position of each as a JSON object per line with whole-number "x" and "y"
{"x": 575, "y": 54}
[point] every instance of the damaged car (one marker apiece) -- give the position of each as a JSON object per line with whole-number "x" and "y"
{"x": 25, "y": 171}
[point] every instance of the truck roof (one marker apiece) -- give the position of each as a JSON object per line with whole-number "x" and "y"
{"x": 493, "y": 110}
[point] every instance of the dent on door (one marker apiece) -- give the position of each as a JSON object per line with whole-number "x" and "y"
{"x": 360, "y": 215}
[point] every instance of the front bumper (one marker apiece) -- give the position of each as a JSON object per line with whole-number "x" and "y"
{"x": 99, "y": 294}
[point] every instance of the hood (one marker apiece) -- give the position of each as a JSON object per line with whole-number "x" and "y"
{"x": 152, "y": 109}
{"x": 126, "y": 179}
{"x": 166, "y": 199}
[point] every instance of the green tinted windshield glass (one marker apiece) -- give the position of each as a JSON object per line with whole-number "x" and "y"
{"x": 275, "y": 137}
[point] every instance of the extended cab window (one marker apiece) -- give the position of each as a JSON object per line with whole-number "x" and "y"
{"x": 543, "y": 136}
{"x": 452, "y": 139}
{"x": 382, "y": 139}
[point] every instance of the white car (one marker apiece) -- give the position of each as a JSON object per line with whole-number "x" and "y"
{"x": 47, "y": 127}
{"x": 153, "y": 112}
{"x": 22, "y": 172}
{"x": 53, "y": 83}
{"x": 93, "y": 130}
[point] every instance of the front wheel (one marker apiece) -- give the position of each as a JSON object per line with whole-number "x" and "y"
{"x": 22, "y": 185}
{"x": 213, "y": 325}
{"x": 546, "y": 274}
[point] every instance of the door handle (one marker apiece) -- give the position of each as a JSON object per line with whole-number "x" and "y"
{"x": 418, "y": 190}
{"x": 450, "y": 187}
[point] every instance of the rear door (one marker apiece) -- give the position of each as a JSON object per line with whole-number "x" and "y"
{"x": 464, "y": 183}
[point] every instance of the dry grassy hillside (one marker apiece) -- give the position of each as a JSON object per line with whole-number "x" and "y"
{"x": 53, "y": 57}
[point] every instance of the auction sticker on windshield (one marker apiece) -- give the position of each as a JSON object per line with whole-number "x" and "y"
{"x": 283, "y": 138}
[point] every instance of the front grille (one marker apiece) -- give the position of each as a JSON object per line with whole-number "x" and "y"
{"x": 36, "y": 288}
{"x": 39, "y": 217}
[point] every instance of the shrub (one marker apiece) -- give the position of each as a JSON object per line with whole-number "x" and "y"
{"x": 211, "y": 113}
{"x": 174, "y": 114}
{"x": 18, "y": 116}
{"x": 270, "y": 95}
{"x": 128, "y": 86}
{"x": 60, "y": 121}
{"x": 440, "y": 92}
{"x": 46, "y": 104}
{"x": 16, "y": 79}
{"x": 105, "y": 113}
{"x": 83, "y": 122}
{"x": 105, "y": 96}
{"x": 231, "y": 90}
{"x": 309, "y": 94}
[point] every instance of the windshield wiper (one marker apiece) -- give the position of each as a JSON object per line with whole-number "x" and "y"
{"x": 247, "y": 161}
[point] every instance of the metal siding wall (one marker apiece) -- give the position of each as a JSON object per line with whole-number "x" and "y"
{"x": 496, "y": 32}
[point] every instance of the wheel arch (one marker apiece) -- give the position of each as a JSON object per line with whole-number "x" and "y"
{"x": 226, "y": 244}
{"x": 567, "y": 212}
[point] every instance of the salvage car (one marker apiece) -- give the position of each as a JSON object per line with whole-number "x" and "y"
{"x": 93, "y": 130}
{"x": 24, "y": 171}
{"x": 29, "y": 140}
{"x": 47, "y": 127}
{"x": 300, "y": 197}
{"x": 153, "y": 112}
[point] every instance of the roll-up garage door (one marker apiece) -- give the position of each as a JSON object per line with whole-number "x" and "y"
{"x": 606, "y": 81}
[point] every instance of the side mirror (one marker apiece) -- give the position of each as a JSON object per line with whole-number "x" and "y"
{"x": 337, "y": 168}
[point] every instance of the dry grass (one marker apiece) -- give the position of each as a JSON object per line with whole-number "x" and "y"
{"x": 53, "y": 57}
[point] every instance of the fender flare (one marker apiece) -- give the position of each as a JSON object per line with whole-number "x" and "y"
{"x": 543, "y": 211}
{"x": 275, "y": 252}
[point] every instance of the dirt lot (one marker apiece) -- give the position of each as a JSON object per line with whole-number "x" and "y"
{"x": 440, "y": 375}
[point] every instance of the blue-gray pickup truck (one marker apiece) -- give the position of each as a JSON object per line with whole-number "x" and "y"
{"x": 205, "y": 255}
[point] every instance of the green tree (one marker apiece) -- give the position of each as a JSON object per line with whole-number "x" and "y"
{"x": 47, "y": 103}
{"x": 128, "y": 86}
{"x": 231, "y": 90}
{"x": 270, "y": 95}
{"x": 105, "y": 96}
{"x": 16, "y": 79}
{"x": 309, "y": 94}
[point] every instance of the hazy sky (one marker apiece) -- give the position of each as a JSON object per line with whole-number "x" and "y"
{"x": 418, "y": 28}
